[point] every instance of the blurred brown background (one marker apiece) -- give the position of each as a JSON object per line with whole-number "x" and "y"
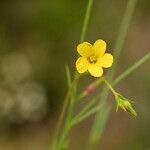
{"x": 37, "y": 39}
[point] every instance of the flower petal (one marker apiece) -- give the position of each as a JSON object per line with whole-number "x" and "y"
{"x": 95, "y": 70}
{"x": 99, "y": 47}
{"x": 105, "y": 61}
{"x": 82, "y": 64}
{"x": 84, "y": 49}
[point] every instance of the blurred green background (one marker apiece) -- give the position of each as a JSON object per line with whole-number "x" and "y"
{"x": 37, "y": 39}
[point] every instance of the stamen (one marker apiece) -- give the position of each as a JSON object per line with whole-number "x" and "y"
{"x": 92, "y": 59}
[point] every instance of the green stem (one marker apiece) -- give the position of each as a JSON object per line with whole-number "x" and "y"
{"x": 69, "y": 115}
{"x": 132, "y": 68}
{"x": 68, "y": 75}
{"x": 86, "y": 20}
{"x": 86, "y": 107}
{"x": 109, "y": 86}
{"x": 60, "y": 119}
{"x": 86, "y": 115}
{"x": 122, "y": 33}
{"x": 67, "y": 126}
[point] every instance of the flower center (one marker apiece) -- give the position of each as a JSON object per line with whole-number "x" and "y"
{"x": 92, "y": 59}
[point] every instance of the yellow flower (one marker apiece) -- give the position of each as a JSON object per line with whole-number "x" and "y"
{"x": 93, "y": 58}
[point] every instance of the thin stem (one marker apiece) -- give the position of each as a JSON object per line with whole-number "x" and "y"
{"x": 60, "y": 119}
{"x": 132, "y": 68}
{"x": 82, "y": 95}
{"x": 109, "y": 85}
{"x": 67, "y": 126}
{"x": 82, "y": 37}
{"x": 86, "y": 115}
{"x": 68, "y": 74}
{"x": 86, "y": 20}
{"x": 86, "y": 108}
{"x": 122, "y": 34}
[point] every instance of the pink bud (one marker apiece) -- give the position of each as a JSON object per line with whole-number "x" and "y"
{"x": 90, "y": 89}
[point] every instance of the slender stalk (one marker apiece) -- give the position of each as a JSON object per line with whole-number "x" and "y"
{"x": 86, "y": 107}
{"x": 67, "y": 125}
{"x": 118, "y": 47}
{"x": 86, "y": 20}
{"x": 82, "y": 37}
{"x": 132, "y": 68}
{"x": 109, "y": 86}
{"x": 86, "y": 115}
{"x": 68, "y": 74}
{"x": 60, "y": 119}
{"x": 122, "y": 34}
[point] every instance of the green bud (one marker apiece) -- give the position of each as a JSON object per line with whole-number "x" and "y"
{"x": 124, "y": 104}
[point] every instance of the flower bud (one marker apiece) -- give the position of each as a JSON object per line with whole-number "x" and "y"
{"x": 124, "y": 104}
{"x": 90, "y": 89}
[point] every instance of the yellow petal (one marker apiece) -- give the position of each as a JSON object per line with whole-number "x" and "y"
{"x": 99, "y": 47}
{"x": 84, "y": 49}
{"x": 82, "y": 64}
{"x": 105, "y": 61}
{"x": 95, "y": 70}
